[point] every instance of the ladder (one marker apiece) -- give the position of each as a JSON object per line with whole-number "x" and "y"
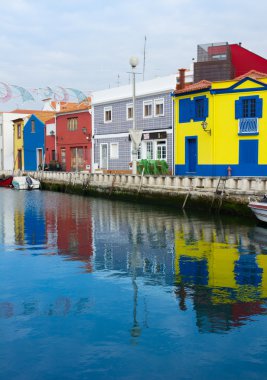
{"x": 219, "y": 192}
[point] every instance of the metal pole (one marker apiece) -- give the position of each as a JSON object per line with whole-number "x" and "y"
{"x": 134, "y": 147}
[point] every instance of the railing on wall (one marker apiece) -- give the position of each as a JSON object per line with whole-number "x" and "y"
{"x": 248, "y": 125}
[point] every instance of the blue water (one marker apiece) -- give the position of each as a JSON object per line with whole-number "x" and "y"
{"x": 95, "y": 289}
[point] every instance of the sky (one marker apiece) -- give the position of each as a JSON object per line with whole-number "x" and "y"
{"x": 86, "y": 44}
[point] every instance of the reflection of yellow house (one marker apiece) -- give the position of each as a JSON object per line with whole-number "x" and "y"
{"x": 218, "y": 266}
{"x": 18, "y": 126}
{"x": 19, "y": 226}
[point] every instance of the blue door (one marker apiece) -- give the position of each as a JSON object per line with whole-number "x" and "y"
{"x": 248, "y": 157}
{"x": 191, "y": 154}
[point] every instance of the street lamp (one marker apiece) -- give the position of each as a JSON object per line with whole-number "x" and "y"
{"x": 135, "y": 134}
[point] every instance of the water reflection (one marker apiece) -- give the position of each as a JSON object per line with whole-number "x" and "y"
{"x": 219, "y": 269}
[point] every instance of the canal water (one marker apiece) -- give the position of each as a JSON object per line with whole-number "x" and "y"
{"x": 96, "y": 289}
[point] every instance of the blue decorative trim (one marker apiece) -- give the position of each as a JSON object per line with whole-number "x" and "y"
{"x": 244, "y": 170}
{"x": 248, "y": 134}
{"x": 191, "y": 92}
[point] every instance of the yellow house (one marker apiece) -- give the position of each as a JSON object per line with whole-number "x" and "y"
{"x": 220, "y": 127}
{"x": 18, "y": 126}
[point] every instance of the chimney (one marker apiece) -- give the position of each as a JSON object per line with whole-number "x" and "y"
{"x": 181, "y": 84}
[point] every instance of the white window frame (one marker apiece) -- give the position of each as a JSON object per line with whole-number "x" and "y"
{"x": 146, "y": 103}
{"x": 128, "y": 106}
{"x": 158, "y": 102}
{"x": 143, "y": 149}
{"x": 164, "y": 143}
{"x": 107, "y": 109}
{"x": 111, "y": 155}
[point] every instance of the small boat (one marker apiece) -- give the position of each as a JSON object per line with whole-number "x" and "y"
{"x": 6, "y": 182}
{"x": 259, "y": 208}
{"x": 25, "y": 183}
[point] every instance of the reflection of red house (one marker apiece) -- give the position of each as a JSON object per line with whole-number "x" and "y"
{"x": 74, "y": 139}
{"x": 72, "y": 236}
{"x": 75, "y": 235}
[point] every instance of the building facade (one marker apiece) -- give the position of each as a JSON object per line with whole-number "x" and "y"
{"x": 220, "y": 127}
{"x": 112, "y": 112}
{"x": 74, "y": 139}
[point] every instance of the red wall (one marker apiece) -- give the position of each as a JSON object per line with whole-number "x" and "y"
{"x": 244, "y": 60}
{"x": 74, "y": 139}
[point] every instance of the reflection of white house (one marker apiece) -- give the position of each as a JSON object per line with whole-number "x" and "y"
{"x": 112, "y": 117}
{"x": 6, "y": 138}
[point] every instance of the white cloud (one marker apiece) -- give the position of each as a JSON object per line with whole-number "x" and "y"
{"x": 87, "y": 43}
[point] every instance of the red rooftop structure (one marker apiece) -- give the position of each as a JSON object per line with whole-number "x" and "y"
{"x": 223, "y": 61}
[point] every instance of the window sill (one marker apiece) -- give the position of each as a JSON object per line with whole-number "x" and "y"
{"x": 248, "y": 134}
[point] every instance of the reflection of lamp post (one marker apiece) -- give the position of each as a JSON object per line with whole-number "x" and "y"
{"x": 135, "y": 134}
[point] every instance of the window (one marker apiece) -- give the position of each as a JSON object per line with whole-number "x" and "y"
{"x": 19, "y": 131}
{"x": 63, "y": 158}
{"x": 159, "y": 107}
{"x": 53, "y": 155}
{"x": 149, "y": 150}
{"x": 129, "y": 112}
{"x": 248, "y": 109}
{"x": 73, "y": 124}
{"x": 114, "y": 151}
{"x": 161, "y": 150}
{"x": 107, "y": 114}
{"x": 195, "y": 109}
{"x": 147, "y": 108}
{"x": 32, "y": 126}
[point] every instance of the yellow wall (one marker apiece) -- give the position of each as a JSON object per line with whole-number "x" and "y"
{"x": 18, "y": 143}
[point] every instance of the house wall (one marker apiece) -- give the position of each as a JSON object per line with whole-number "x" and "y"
{"x": 18, "y": 145}
{"x": 32, "y": 142}
{"x": 6, "y": 140}
{"x": 67, "y": 139}
{"x": 222, "y": 148}
{"x": 118, "y": 129}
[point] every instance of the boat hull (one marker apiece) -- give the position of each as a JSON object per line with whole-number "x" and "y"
{"x": 6, "y": 182}
{"x": 260, "y": 210}
{"x": 25, "y": 183}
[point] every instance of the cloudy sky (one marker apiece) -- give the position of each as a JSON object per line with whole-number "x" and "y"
{"x": 86, "y": 44}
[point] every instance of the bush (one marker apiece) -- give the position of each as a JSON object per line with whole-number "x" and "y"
{"x": 152, "y": 167}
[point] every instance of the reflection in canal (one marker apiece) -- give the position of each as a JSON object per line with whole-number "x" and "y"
{"x": 121, "y": 266}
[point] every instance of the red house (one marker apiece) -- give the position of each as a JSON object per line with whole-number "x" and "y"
{"x": 73, "y": 138}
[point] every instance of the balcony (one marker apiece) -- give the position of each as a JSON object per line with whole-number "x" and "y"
{"x": 248, "y": 126}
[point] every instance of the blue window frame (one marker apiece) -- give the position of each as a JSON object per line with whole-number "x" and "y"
{"x": 195, "y": 109}
{"x": 248, "y": 107}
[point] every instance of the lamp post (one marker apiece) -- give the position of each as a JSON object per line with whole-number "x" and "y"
{"x": 134, "y": 133}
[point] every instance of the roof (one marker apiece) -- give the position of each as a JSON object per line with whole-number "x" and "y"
{"x": 41, "y": 115}
{"x": 202, "y": 85}
{"x": 254, "y": 74}
{"x": 68, "y": 106}
{"x": 149, "y": 87}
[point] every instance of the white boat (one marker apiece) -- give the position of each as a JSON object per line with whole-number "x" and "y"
{"x": 25, "y": 183}
{"x": 259, "y": 207}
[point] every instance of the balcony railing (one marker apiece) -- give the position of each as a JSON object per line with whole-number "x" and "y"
{"x": 248, "y": 125}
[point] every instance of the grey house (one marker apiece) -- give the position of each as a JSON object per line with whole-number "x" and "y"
{"x": 112, "y": 117}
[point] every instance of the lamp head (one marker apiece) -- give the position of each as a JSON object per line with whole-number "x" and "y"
{"x": 133, "y": 61}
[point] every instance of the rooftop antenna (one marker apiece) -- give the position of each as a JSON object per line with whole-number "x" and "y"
{"x": 118, "y": 80}
{"x": 144, "y": 62}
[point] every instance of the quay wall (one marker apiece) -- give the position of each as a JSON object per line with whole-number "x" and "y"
{"x": 230, "y": 195}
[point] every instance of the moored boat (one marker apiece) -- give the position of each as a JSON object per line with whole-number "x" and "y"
{"x": 259, "y": 208}
{"x": 25, "y": 183}
{"x": 6, "y": 182}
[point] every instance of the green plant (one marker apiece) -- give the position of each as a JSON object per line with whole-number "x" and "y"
{"x": 152, "y": 167}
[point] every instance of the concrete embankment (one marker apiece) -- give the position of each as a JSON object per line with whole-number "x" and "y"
{"x": 229, "y": 195}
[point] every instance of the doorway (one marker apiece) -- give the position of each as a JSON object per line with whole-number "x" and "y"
{"x": 103, "y": 156}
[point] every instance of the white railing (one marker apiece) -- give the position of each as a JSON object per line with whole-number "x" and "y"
{"x": 237, "y": 185}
